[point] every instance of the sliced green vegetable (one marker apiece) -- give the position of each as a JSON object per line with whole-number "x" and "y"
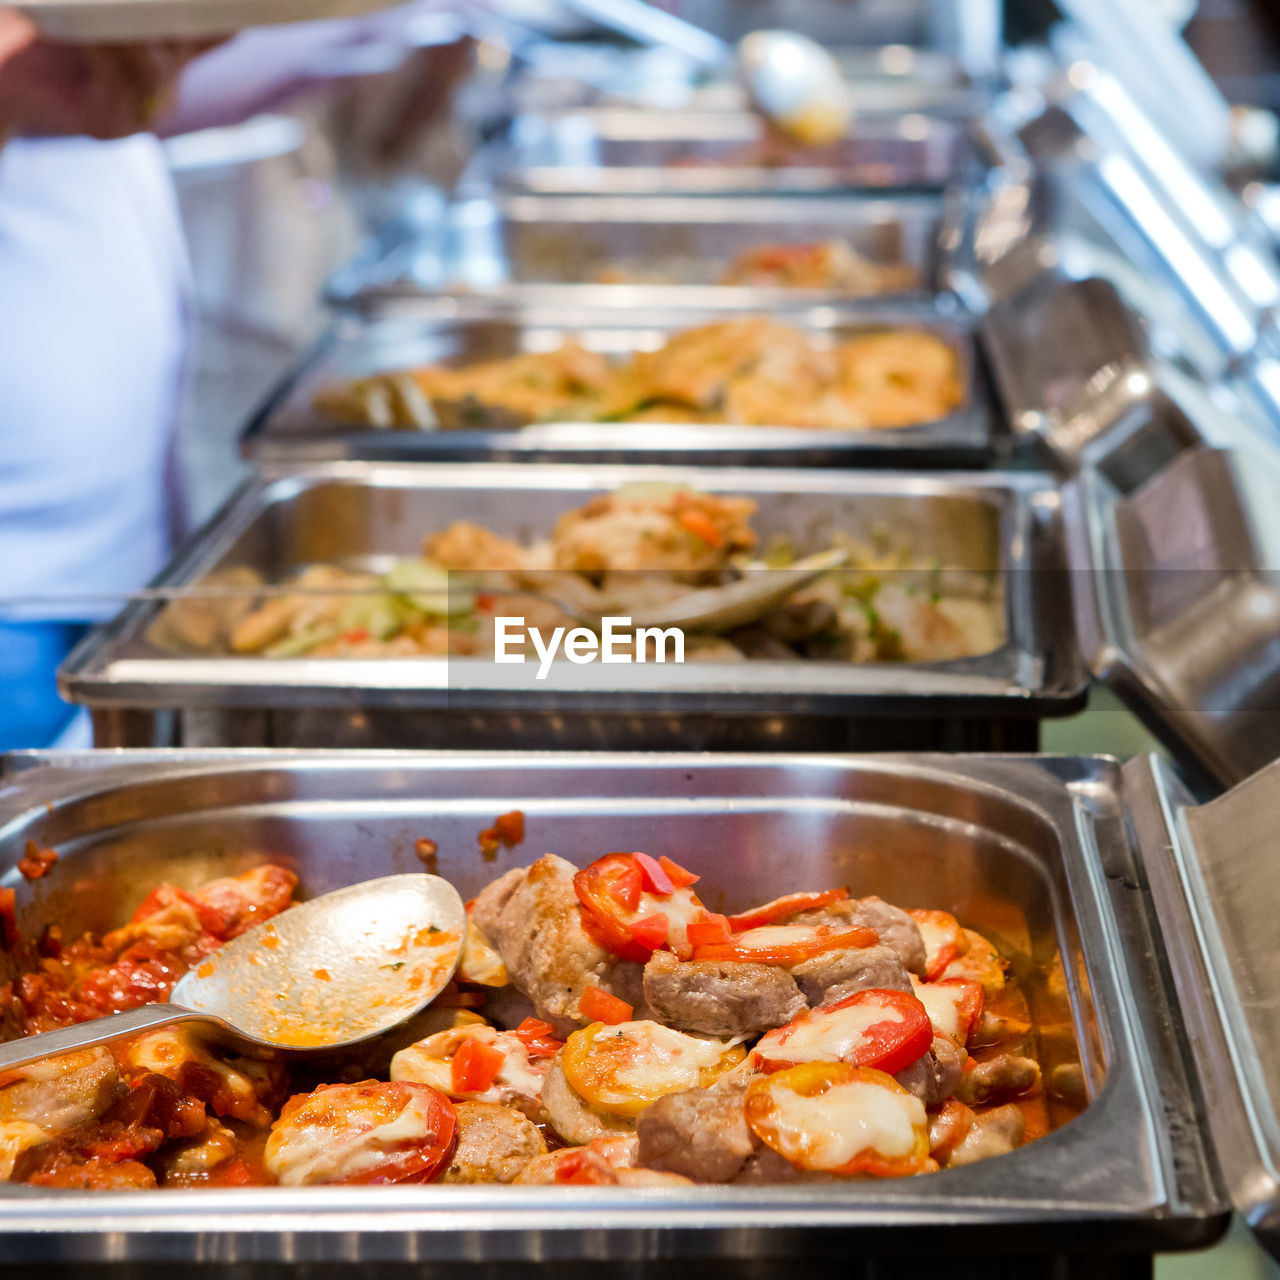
{"x": 430, "y": 588}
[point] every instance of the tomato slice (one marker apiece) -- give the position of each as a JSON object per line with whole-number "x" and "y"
{"x": 944, "y": 940}
{"x": 621, "y": 891}
{"x": 583, "y": 1167}
{"x": 836, "y": 1118}
{"x": 786, "y": 945}
{"x": 877, "y": 1028}
{"x": 790, "y": 904}
{"x": 955, "y": 1006}
{"x": 600, "y": 1006}
{"x": 475, "y": 1066}
{"x": 624, "y": 1068}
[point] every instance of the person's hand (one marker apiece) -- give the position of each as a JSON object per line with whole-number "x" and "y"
{"x": 104, "y": 91}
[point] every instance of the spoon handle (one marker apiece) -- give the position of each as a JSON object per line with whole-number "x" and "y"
{"x": 85, "y": 1035}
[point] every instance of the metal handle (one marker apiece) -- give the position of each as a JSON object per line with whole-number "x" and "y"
{"x": 86, "y": 1035}
{"x": 647, "y": 25}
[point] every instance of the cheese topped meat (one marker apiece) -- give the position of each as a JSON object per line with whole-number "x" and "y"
{"x": 370, "y": 1132}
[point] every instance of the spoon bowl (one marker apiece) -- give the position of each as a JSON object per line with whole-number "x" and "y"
{"x": 327, "y": 974}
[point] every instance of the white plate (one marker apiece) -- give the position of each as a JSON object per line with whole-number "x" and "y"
{"x": 118, "y": 21}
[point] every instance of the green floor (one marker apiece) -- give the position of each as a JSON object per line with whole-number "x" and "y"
{"x": 1108, "y": 728}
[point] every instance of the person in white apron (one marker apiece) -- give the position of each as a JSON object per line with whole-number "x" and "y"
{"x": 92, "y": 337}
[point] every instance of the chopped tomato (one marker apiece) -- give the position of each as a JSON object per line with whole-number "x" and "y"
{"x": 653, "y": 874}
{"x": 944, "y": 940}
{"x": 357, "y": 635}
{"x": 701, "y": 526}
{"x": 679, "y": 876}
{"x": 510, "y": 827}
{"x": 832, "y": 1117}
{"x": 583, "y": 1167}
{"x": 877, "y": 1028}
{"x": 538, "y": 1038}
{"x": 475, "y": 1066}
{"x": 651, "y": 932}
{"x": 790, "y": 904}
{"x": 626, "y": 888}
{"x": 8, "y": 920}
{"x": 600, "y": 1006}
{"x": 713, "y": 931}
{"x": 623, "y": 890}
{"x": 785, "y": 945}
{"x": 35, "y": 861}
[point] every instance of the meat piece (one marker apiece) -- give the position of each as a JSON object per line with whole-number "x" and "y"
{"x": 206, "y": 1151}
{"x": 572, "y": 1118}
{"x": 936, "y": 1075}
{"x": 701, "y": 1133}
{"x": 531, "y": 916}
{"x": 896, "y": 928}
{"x": 720, "y": 998}
{"x": 766, "y": 1168}
{"x": 1005, "y": 1076}
{"x": 833, "y": 975}
{"x": 495, "y": 1143}
{"x": 51, "y": 1166}
{"x": 994, "y": 1133}
{"x": 61, "y": 1093}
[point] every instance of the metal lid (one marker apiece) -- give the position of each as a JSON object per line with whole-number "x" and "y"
{"x": 1175, "y": 607}
{"x": 1070, "y": 360}
{"x": 1211, "y": 874}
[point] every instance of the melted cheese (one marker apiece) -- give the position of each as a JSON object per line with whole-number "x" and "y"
{"x": 16, "y": 1136}
{"x": 648, "y": 1058}
{"x": 936, "y": 937}
{"x": 775, "y": 935}
{"x": 308, "y": 1147}
{"x": 430, "y": 1062}
{"x": 480, "y": 963}
{"x": 829, "y": 1130}
{"x": 825, "y": 1035}
{"x": 681, "y": 908}
{"x": 168, "y": 1051}
{"x": 942, "y": 1005}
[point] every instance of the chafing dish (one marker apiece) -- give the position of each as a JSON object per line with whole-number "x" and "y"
{"x": 1053, "y": 854}
{"x": 561, "y": 248}
{"x": 1179, "y": 609}
{"x": 627, "y": 152}
{"x": 1003, "y": 525}
{"x": 289, "y": 429}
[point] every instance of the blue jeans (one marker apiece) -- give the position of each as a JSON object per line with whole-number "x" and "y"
{"x": 31, "y": 713}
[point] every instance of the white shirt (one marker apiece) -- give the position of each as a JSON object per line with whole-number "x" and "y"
{"x": 92, "y": 336}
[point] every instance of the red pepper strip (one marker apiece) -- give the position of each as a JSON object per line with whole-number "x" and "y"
{"x": 711, "y": 932}
{"x": 791, "y": 953}
{"x": 475, "y": 1066}
{"x": 600, "y": 1006}
{"x": 780, "y": 908}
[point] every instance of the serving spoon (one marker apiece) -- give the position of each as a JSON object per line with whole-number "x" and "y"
{"x": 736, "y": 604}
{"x": 327, "y": 974}
{"x": 791, "y": 80}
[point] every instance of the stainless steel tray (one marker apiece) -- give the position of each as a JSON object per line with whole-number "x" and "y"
{"x": 528, "y": 249}
{"x": 1003, "y": 524}
{"x": 629, "y": 152}
{"x": 1036, "y": 850}
{"x": 289, "y": 430}
{"x": 1179, "y": 607}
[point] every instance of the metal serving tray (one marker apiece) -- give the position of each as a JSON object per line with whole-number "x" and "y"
{"x": 1003, "y": 524}
{"x": 556, "y": 248}
{"x": 1179, "y": 605}
{"x": 289, "y": 430}
{"x": 629, "y": 152}
{"x": 1035, "y": 851}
